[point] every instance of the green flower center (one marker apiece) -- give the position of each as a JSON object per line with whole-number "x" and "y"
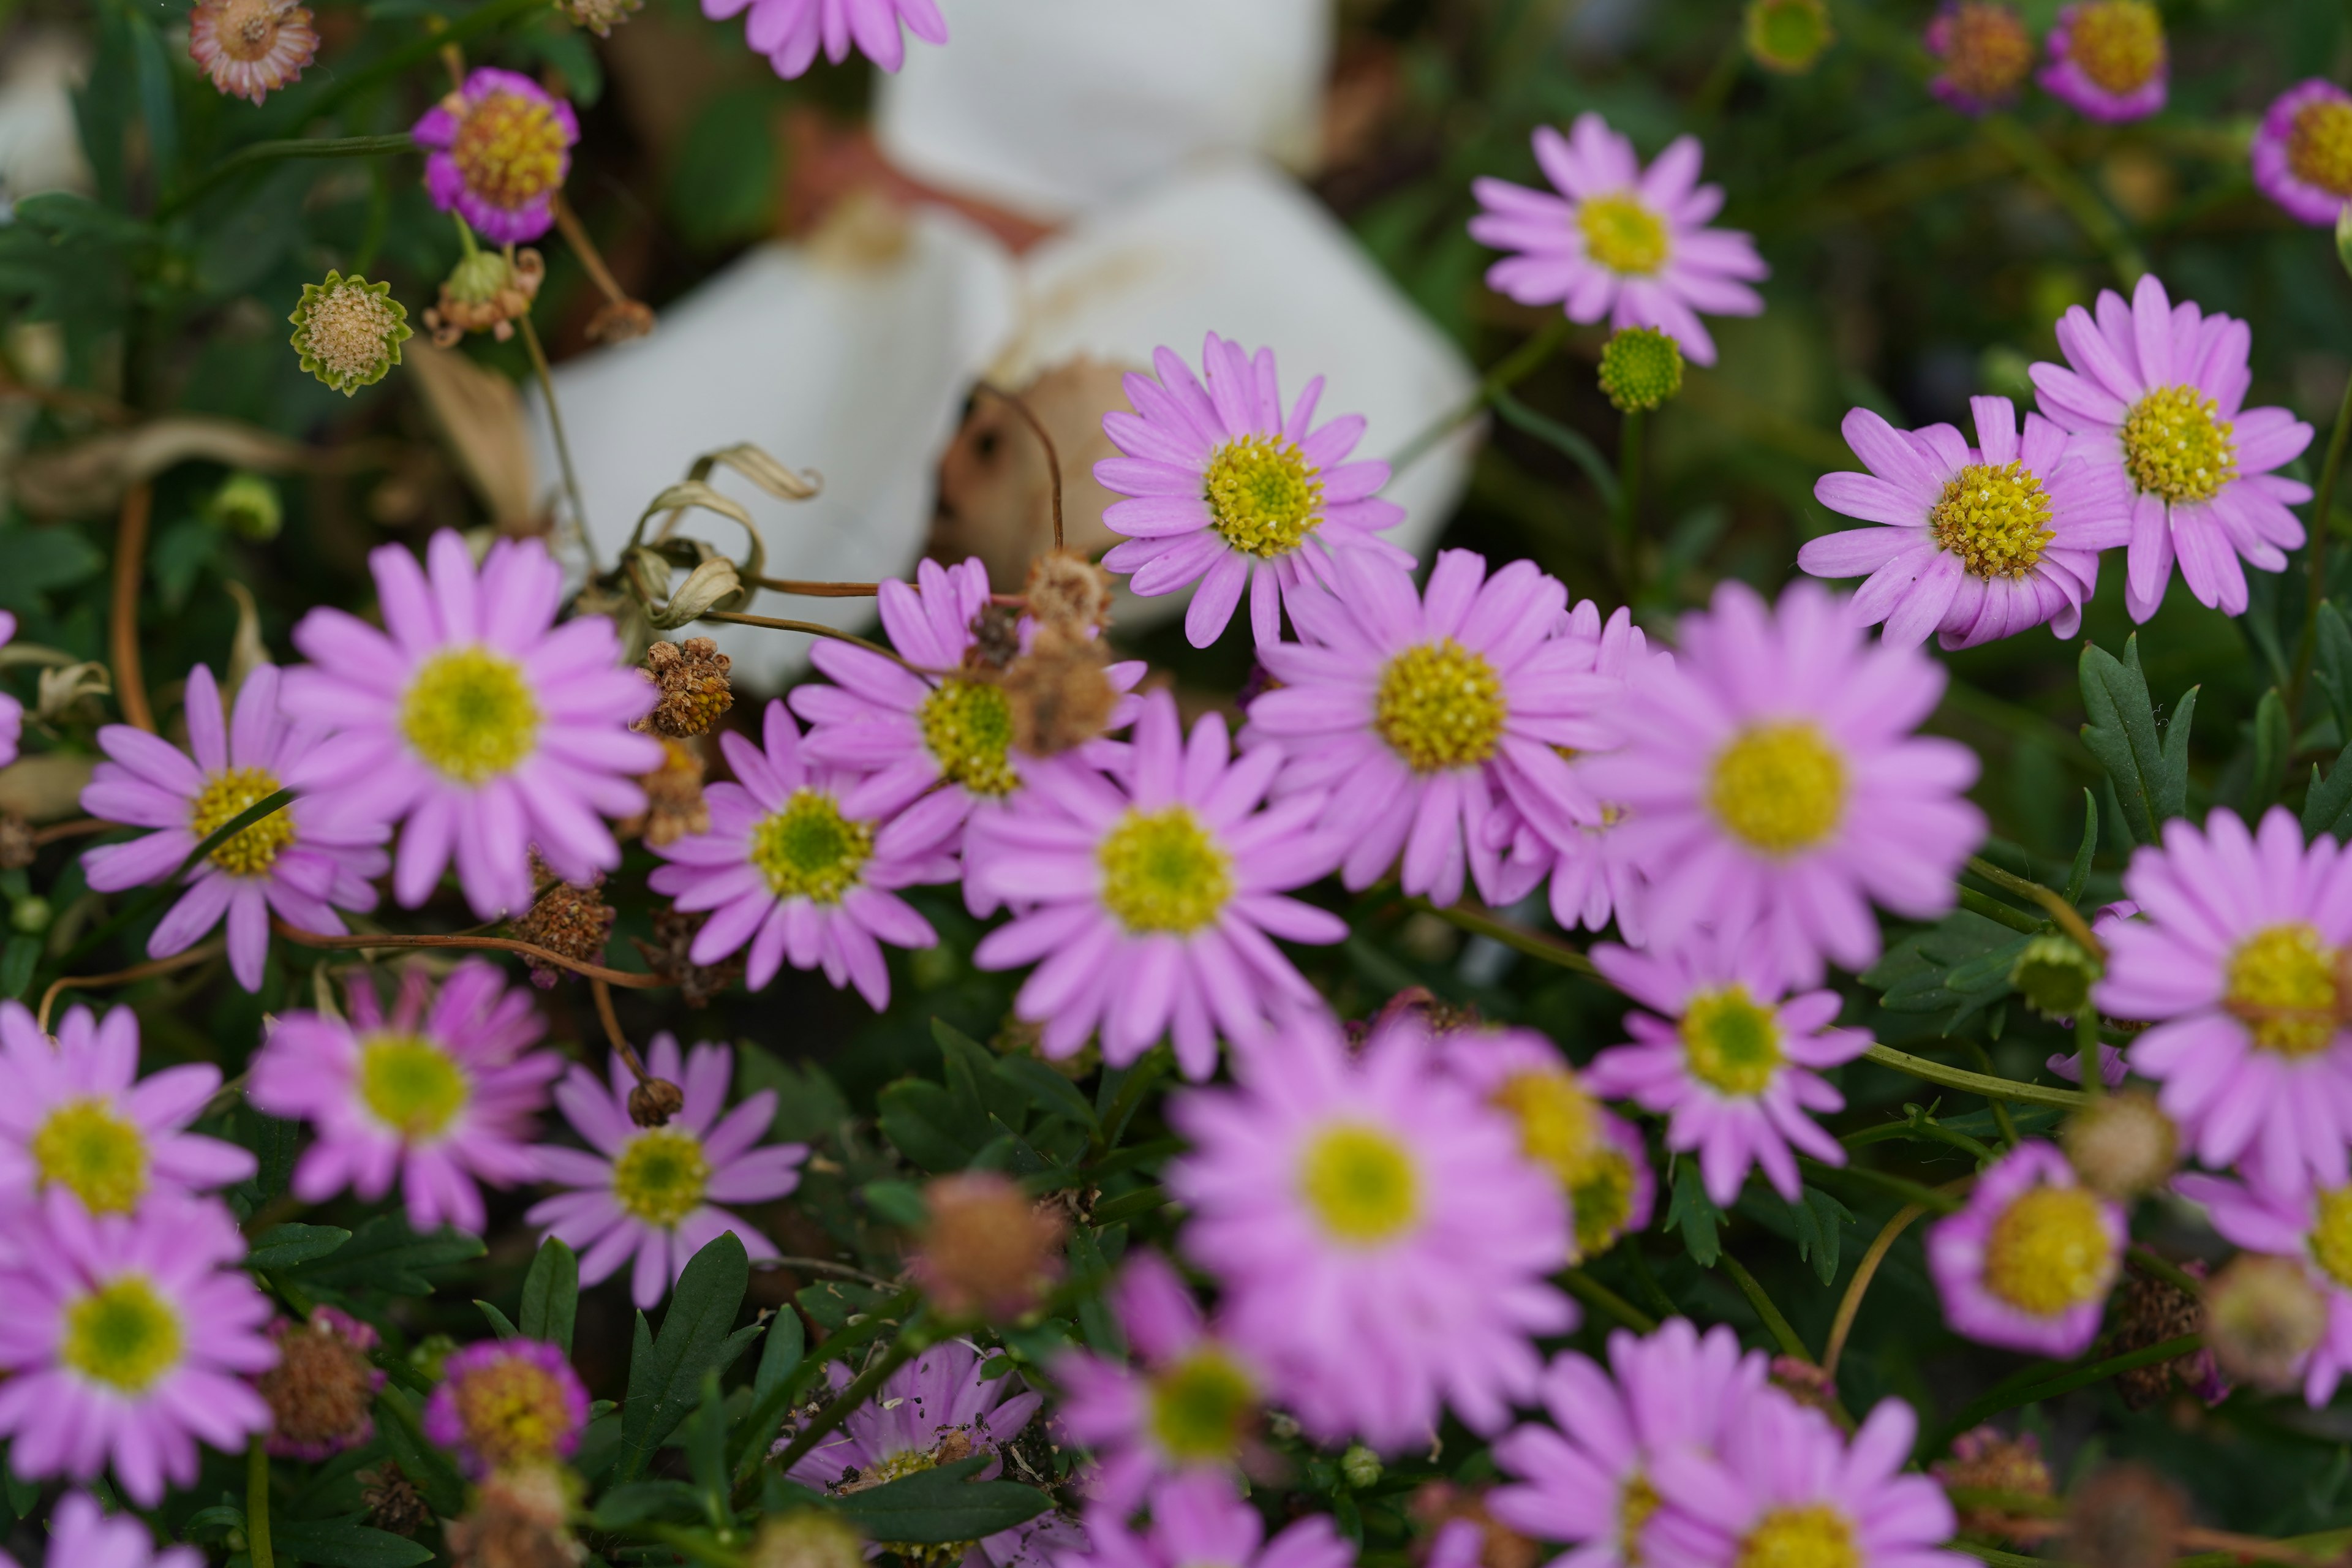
{"x": 809, "y": 851}
{"x": 1622, "y": 234}
{"x": 2118, "y": 44}
{"x": 968, "y": 725}
{"x": 87, "y": 1146}
{"x": 1637, "y": 1500}
{"x": 1440, "y": 706}
{"x": 1788, "y": 35}
{"x": 411, "y": 1085}
{"x": 1360, "y": 1184}
{"x": 1779, "y": 788}
{"x": 2319, "y": 145}
{"x": 1995, "y": 519}
{"x": 2047, "y": 1251}
{"x": 513, "y": 1412}
{"x": 2331, "y": 1233}
{"x": 1814, "y": 1535}
{"x": 252, "y": 850}
{"x": 1201, "y": 1407}
{"x": 1731, "y": 1041}
{"x": 1263, "y": 496}
{"x": 661, "y": 1176}
{"x": 469, "y": 714}
{"x": 2175, "y": 447}
{"x": 1640, "y": 368}
{"x": 2282, "y": 984}
{"x": 509, "y": 149}
{"x": 124, "y": 1334}
{"x": 1163, "y": 871}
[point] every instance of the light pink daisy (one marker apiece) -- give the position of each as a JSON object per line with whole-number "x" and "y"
{"x": 440, "y": 1094}
{"x": 1367, "y": 1211}
{"x": 1150, "y": 896}
{"x": 1198, "y": 1520}
{"x": 1771, "y": 778}
{"x": 787, "y": 868}
{"x": 250, "y": 48}
{"x": 2314, "y": 1225}
{"x": 504, "y": 1404}
{"x": 1618, "y": 240}
{"x": 75, "y": 1114}
{"x": 2156, "y": 392}
{"x": 12, "y": 711}
{"x": 489, "y": 728}
{"x": 2027, "y": 1265}
{"x": 789, "y": 32}
{"x": 82, "y": 1536}
{"x": 653, "y": 1191}
{"x": 500, "y": 146}
{"x": 2239, "y": 957}
{"x": 1973, "y": 542}
{"x": 2108, "y": 59}
{"x": 1227, "y": 490}
{"x": 299, "y": 861}
{"x": 2303, "y": 152}
{"x": 128, "y": 1338}
{"x": 1412, "y": 715}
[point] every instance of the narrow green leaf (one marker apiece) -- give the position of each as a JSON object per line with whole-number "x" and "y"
{"x": 2080, "y": 872}
{"x": 385, "y": 1255}
{"x": 780, "y": 1356}
{"x": 665, "y": 1371}
{"x": 922, "y": 1122}
{"x": 2172, "y": 776}
{"x": 1820, "y": 1220}
{"x": 1047, "y": 1089}
{"x": 344, "y": 1544}
{"x": 286, "y": 1245}
{"x": 500, "y": 1324}
{"x": 2328, "y": 808}
{"x": 934, "y": 1506}
{"x": 2274, "y": 745}
{"x": 1693, "y": 1214}
{"x": 638, "y": 1501}
{"x": 550, "y": 1295}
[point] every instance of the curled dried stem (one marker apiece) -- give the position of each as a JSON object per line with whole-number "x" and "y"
{"x": 1053, "y": 457}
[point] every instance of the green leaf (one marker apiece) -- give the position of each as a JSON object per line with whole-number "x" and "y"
{"x": 41, "y": 559}
{"x": 706, "y": 1448}
{"x": 666, "y": 1373}
{"x": 2079, "y": 873}
{"x": 780, "y": 1356}
{"x": 550, "y": 1295}
{"x": 286, "y": 1245}
{"x": 385, "y": 1255}
{"x": 724, "y": 182}
{"x": 934, "y": 1506}
{"x": 2333, "y": 668}
{"x": 343, "y": 1543}
{"x": 2149, "y": 769}
{"x": 500, "y": 1324}
{"x": 1047, "y": 1089}
{"x": 2273, "y": 746}
{"x": 1820, "y": 1217}
{"x": 921, "y": 1118}
{"x": 896, "y": 1203}
{"x": 980, "y": 1092}
{"x": 638, "y": 1501}
{"x": 809, "y": 1105}
{"x": 1695, "y": 1213}
{"x": 398, "y": 1425}
{"x": 17, "y": 962}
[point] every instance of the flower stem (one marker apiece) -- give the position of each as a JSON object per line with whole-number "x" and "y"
{"x": 1515, "y": 367}
{"x": 562, "y": 445}
{"x": 1850, "y": 1304}
{"x": 1984, "y": 1084}
{"x": 2088, "y": 1059}
{"x": 1598, "y": 1295}
{"x": 2097, "y": 219}
{"x": 1534, "y": 944}
{"x": 269, "y": 152}
{"x": 1629, "y": 498}
{"x": 1993, "y": 910}
{"x": 1052, "y": 457}
{"x": 2070, "y": 920}
{"x": 1775, "y": 1322}
{"x": 612, "y": 1022}
{"x": 364, "y": 940}
{"x": 2323, "y": 503}
{"x": 256, "y": 1502}
{"x": 2006, "y": 1397}
{"x": 812, "y": 590}
{"x": 912, "y": 1340}
{"x": 815, "y": 629}
{"x": 2164, "y": 1269}
{"x": 152, "y": 967}
{"x": 123, "y": 627}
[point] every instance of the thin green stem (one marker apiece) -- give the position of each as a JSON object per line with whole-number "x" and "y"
{"x": 911, "y": 1341}
{"x": 2323, "y": 503}
{"x": 1775, "y": 1322}
{"x": 2001, "y": 1116}
{"x": 1595, "y": 1293}
{"x": 1985, "y": 1084}
{"x": 2066, "y": 1382}
{"x": 2088, "y": 1061}
{"x": 1514, "y": 368}
{"x": 1534, "y": 944}
{"x": 424, "y": 46}
{"x": 271, "y": 151}
{"x": 269, "y": 805}
{"x": 1629, "y": 498}
{"x": 256, "y": 1503}
{"x": 1655, "y": 1292}
{"x": 1992, "y": 909}
{"x": 692, "y": 1544}
{"x": 562, "y": 445}
{"x": 2067, "y": 916}
{"x": 1909, "y": 1191}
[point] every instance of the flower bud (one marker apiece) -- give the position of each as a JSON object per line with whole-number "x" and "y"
{"x": 520, "y": 1519}
{"x": 19, "y": 847}
{"x": 2123, "y": 1144}
{"x": 2055, "y": 975}
{"x": 2263, "y": 1317}
{"x": 1789, "y": 35}
{"x": 392, "y": 1501}
{"x": 1360, "y": 1467}
{"x": 1640, "y": 368}
{"x": 1069, "y": 592}
{"x": 653, "y": 1102}
{"x": 810, "y": 1538}
{"x": 1059, "y": 693}
{"x": 986, "y": 1248}
{"x": 569, "y": 918}
{"x": 30, "y": 915}
{"x": 2149, "y": 1311}
{"x": 2125, "y": 1516}
{"x": 322, "y": 1389}
{"x": 247, "y": 505}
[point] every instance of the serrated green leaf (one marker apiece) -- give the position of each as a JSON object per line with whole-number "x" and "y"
{"x": 934, "y": 1506}
{"x": 2149, "y": 769}
{"x": 1820, "y": 1219}
{"x": 2274, "y": 745}
{"x": 550, "y": 1295}
{"x": 344, "y": 1544}
{"x": 922, "y": 1122}
{"x": 1693, "y": 1213}
{"x": 385, "y": 1255}
{"x": 666, "y": 1371}
{"x": 286, "y": 1245}
{"x": 1047, "y": 1089}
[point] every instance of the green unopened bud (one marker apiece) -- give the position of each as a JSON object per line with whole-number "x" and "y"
{"x": 477, "y": 278}
{"x": 431, "y": 1352}
{"x": 2055, "y": 975}
{"x": 31, "y": 914}
{"x": 1789, "y": 35}
{"x": 247, "y": 505}
{"x": 1641, "y": 369}
{"x": 1361, "y": 1467}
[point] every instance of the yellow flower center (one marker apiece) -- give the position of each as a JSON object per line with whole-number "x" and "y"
{"x": 2282, "y": 984}
{"x": 1559, "y": 1123}
{"x": 1637, "y": 1500}
{"x": 513, "y": 1412}
{"x": 1440, "y": 706}
{"x": 1987, "y": 50}
{"x": 1779, "y": 788}
{"x": 1263, "y": 496}
{"x": 1622, "y": 234}
{"x": 1163, "y": 871}
{"x": 2331, "y": 1233}
{"x": 1602, "y": 1201}
{"x": 470, "y": 713}
{"x": 509, "y": 149}
{"x": 411, "y": 1085}
{"x": 1995, "y": 519}
{"x": 661, "y": 1176}
{"x": 87, "y": 1146}
{"x": 2175, "y": 448}
{"x": 809, "y": 851}
{"x": 968, "y": 725}
{"x": 1360, "y": 1184}
{"x": 2118, "y": 44}
{"x": 1201, "y": 1407}
{"x": 252, "y": 850}
{"x": 1814, "y": 1535}
{"x": 124, "y": 1334}
{"x": 2049, "y": 1251}
{"x": 2319, "y": 145}
{"x": 1730, "y": 1040}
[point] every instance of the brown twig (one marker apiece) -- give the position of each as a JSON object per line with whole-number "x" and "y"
{"x": 130, "y": 554}
{"x": 818, "y": 629}
{"x": 586, "y": 248}
{"x": 73, "y": 829}
{"x": 808, "y": 590}
{"x": 825, "y": 1266}
{"x": 603, "y": 993}
{"x": 485, "y": 943}
{"x": 146, "y": 971}
{"x": 1850, "y": 1306}
{"x": 1053, "y": 457}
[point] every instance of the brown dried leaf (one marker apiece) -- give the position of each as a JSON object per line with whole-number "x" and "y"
{"x": 479, "y": 413}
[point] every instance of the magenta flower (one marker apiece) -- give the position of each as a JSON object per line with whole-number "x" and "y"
{"x": 790, "y": 31}
{"x": 2155, "y": 393}
{"x": 2108, "y": 59}
{"x": 441, "y": 1094}
{"x": 2239, "y": 958}
{"x": 508, "y": 1403}
{"x": 1586, "y": 1478}
{"x": 2314, "y": 1225}
{"x": 1974, "y": 542}
{"x": 653, "y": 1192}
{"x": 82, "y": 1536}
{"x": 128, "y": 1338}
{"x": 1771, "y": 778}
{"x": 492, "y": 731}
{"x": 12, "y": 711}
{"x": 1367, "y": 1211}
{"x": 2303, "y": 152}
{"x": 1414, "y": 715}
{"x": 2028, "y": 1263}
{"x": 788, "y": 870}
{"x": 1228, "y": 491}
{"x": 1618, "y": 240}
{"x": 1198, "y": 1520}
{"x": 1151, "y": 895}
{"x": 500, "y": 147}
{"x": 76, "y": 1114}
{"x": 299, "y": 861}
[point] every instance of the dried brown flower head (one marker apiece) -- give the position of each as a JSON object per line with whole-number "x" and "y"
{"x": 811, "y": 1538}
{"x": 653, "y": 1102}
{"x": 1987, "y": 1459}
{"x": 2263, "y": 1318}
{"x": 518, "y": 1520}
{"x": 619, "y": 320}
{"x": 997, "y": 631}
{"x": 569, "y": 918}
{"x": 1436, "y": 1504}
{"x": 1069, "y": 592}
{"x": 1060, "y": 693}
{"x": 670, "y": 956}
{"x": 18, "y": 846}
{"x": 321, "y": 1391}
{"x": 2122, "y": 1144}
{"x": 692, "y": 677}
{"x": 2125, "y": 1516}
{"x": 600, "y": 16}
{"x": 986, "y": 1248}
{"x": 392, "y": 1501}
{"x": 675, "y": 806}
{"x": 486, "y": 293}
{"x": 2149, "y": 1311}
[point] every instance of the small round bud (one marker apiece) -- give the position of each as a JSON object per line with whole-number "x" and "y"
{"x": 1361, "y": 1467}
{"x": 811, "y": 1538}
{"x": 2125, "y": 1516}
{"x": 1803, "y": 1382}
{"x": 2055, "y": 975}
{"x": 2123, "y": 1144}
{"x": 1789, "y": 35}
{"x": 569, "y": 918}
{"x": 653, "y": 1102}
{"x": 321, "y": 1391}
{"x": 247, "y": 505}
{"x": 349, "y": 331}
{"x": 619, "y": 321}
{"x": 675, "y": 803}
{"x": 30, "y": 914}
{"x": 2147, "y": 1312}
{"x": 2263, "y": 1317}
{"x": 1985, "y": 52}
{"x": 1640, "y": 368}
{"x": 986, "y": 1248}
{"x": 485, "y": 292}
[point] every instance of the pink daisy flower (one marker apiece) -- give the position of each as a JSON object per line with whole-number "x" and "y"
{"x": 789, "y": 32}
{"x": 299, "y": 861}
{"x": 1151, "y": 895}
{"x": 2108, "y": 59}
{"x": 2027, "y": 1265}
{"x": 12, "y": 711}
{"x": 503, "y": 1404}
{"x": 788, "y": 870}
{"x": 1228, "y": 491}
{"x": 1198, "y": 1520}
{"x": 1586, "y": 1478}
{"x": 250, "y": 48}
{"x": 1369, "y": 1211}
{"x": 82, "y": 1536}
{"x": 1973, "y": 542}
{"x": 2303, "y": 152}
{"x": 1618, "y": 240}
{"x": 1412, "y": 715}
{"x": 653, "y": 1192}
{"x": 2156, "y": 392}
{"x": 1733, "y": 1061}
{"x": 474, "y": 717}
{"x": 2314, "y": 1225}
{"x": 440, "y": 1094}
{"x": 2239, "y": 957}
{"x": 75, "y": 1114}
{"x": 128, "y": 1338}
{"x": 501, "y": 145}
{"x": 1771, "y": 778}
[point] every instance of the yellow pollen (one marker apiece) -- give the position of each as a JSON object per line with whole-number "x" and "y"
{"x": 470, "y": 713}
{"x": 2319, "y": 145}
{"x": 1263, "y": 496}
{"x": 509, "y": 149}
{"x": 87, "y": 1146}
{"x": 1622, "y": 234}
{"x": 810, "y": 850}
{"x": 1637, "y": 1500}
{"x": 1996, "y": 519}
{"x": 513, "y": 1412}
{"x": 1559, "y": 1123}
{"x": 2174, "y": 446}
{"x": 2049, "y": 1251}
{"x": 1360, "y": 1183}
{"x": 124, "y": 1334}
{"x": 1731, "y": 1041}
{"x": 1440, "y": 706}
{"x": 661, "y": 1176}
{"x": 1779, "y": 787}
{"x": 2331, "y": 1233}
{"x": 2282, "y": 984}
{"x": 1814, "y": 1535}
{"x": 410, "y": 1085}
{"x": 2118, "y": 44}
{"x": 347, "y": 328}
{"x": 968, "y": 725}
{"x": 1163, "y": 871}
{"x": 1201, "y": 1407}
{"x": 253, "y": 850}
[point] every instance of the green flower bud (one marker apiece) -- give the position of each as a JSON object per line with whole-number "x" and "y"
{"x": 1789, "y": 35}
{"x": 1641, "y": 369}
{"x": 2055, "y": 976}
{"x": 477, "y": 278}
{"x": 247, "y": 505}
{"x": 1360, "y": 1467}
{"x": 31, "y": 914}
